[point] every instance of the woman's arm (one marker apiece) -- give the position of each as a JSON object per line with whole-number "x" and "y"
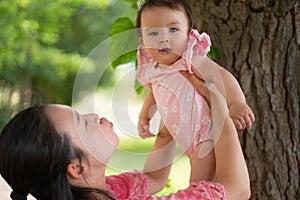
{"x": 158, "y": 164}
{"x": 231, "y": 169}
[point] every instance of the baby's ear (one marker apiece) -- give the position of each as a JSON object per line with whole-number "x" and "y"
{"x": 75, "y": 170}
{"x": 141, "y": 40}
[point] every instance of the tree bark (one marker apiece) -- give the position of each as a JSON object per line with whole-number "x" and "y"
{"x": 259, "y": 42}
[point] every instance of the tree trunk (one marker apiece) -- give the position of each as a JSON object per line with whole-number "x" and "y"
{"x": 260, "y": 44}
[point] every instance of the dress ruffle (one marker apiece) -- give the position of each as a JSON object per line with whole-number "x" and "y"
{"x": 203, "y": 190}
{"x": 197, "y": 45}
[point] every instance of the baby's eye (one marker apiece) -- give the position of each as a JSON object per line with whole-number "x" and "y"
{"x": 153, "y": 33}
{"x": 172, "y": 30}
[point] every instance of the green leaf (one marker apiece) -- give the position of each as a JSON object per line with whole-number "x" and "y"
{"x": 123, "y": 42}
{"x": 214, "y": 53}
{"x": 125, "y": 58}
{"x": 122, "y": 24}
{"x": 138, "y": 87}
{"x": 133, "y": 3}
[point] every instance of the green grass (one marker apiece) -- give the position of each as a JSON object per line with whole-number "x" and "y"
{"x": 132, "y": 154}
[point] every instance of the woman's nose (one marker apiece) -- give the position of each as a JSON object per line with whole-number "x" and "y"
{"x": 94, "y": 116}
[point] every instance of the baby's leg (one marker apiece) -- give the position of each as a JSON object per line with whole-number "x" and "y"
{"x": 204, "y": 168}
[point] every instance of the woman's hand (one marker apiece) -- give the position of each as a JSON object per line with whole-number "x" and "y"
{"x": 199, "y": 84}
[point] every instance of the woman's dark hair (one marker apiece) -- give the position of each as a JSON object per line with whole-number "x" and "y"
{"x": 34, "y": 158}
{"x": 180, "y": 5}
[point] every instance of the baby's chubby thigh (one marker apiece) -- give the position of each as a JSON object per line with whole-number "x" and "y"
{"x": 202, "y": 161}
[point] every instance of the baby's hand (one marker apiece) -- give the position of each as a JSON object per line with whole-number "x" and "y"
{"x": 241, "y": 115}
{"x": 143, "y": 128}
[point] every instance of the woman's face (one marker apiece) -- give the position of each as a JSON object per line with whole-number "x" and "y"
{"x": 164, "y": 33}
{"x": 92, "y": 134}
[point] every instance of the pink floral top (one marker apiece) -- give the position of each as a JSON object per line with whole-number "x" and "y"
{"x": 184, "y": 111}
{"x": 133, "y": 186}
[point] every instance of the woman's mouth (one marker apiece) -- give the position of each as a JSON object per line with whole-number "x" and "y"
{"x": 104, "y": 120}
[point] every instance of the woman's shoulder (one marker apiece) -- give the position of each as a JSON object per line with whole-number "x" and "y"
{"x": 127, "y": 185}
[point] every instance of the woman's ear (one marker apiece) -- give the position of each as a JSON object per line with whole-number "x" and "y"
{"x": 75, "y": 170}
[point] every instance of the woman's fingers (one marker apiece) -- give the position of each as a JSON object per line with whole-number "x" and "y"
{"x": 198, "y": 83}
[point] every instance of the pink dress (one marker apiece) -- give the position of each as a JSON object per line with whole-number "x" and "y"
{"x": 133, "y": 186}
{"x": 184, "y": 111}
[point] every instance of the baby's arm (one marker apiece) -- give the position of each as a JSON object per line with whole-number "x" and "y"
{"x": 239, "y": 111}
{"x": 145, "y": 116}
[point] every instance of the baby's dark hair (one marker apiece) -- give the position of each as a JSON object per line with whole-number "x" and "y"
{"x": 180, "y": 5}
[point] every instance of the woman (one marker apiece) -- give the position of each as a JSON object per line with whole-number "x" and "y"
{"x": 43, "y": 152}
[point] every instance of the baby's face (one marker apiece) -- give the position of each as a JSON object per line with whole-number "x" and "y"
{"x": 164, "y": 34}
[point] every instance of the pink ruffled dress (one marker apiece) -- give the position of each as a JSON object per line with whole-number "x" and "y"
{"x": 184, "y": 111}
{"x": 133, "y": 186}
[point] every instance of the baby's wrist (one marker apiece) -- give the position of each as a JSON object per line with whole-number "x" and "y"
{"x": 236, "y": 103}
{"x": 143, "y": 121}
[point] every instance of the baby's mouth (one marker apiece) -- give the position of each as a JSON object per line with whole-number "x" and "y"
{"x": 164, "y": 50}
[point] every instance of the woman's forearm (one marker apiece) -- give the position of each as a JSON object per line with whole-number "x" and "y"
{"x": 231, "y": 169}
{"x": 158, "y": 164}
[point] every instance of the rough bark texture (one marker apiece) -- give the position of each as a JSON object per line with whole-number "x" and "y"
{"x": 260, "y": 44}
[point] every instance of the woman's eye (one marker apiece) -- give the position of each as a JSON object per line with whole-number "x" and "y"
{"x": 172, "y": 30}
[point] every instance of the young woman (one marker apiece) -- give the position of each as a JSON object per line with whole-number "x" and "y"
{"x": 43, "y": 152}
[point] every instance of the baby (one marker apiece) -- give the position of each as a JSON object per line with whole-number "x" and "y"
{"x": 170, "y": 45}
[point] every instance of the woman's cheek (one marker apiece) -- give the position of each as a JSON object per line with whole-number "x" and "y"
{"x": 99, "y": 145}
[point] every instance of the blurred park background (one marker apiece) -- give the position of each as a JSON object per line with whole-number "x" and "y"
{"x": 42, "y": 46}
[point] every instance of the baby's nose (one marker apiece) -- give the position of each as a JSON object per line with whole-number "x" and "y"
{"x": 164, "y": 39}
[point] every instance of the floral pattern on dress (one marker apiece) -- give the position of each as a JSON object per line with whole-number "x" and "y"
{"x": 180, "y": 105}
